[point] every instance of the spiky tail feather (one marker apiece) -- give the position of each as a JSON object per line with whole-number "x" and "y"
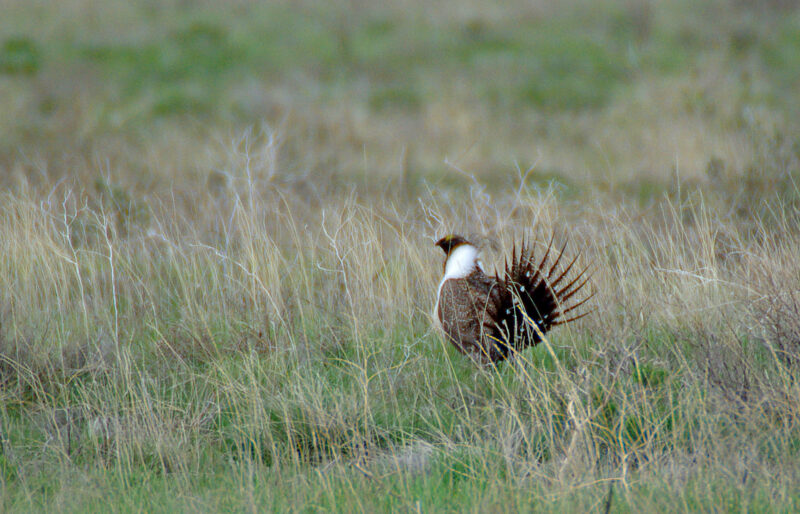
{"x": 529, "y": 300}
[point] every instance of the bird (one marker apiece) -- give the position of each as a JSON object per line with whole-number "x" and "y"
{"x": 493, "y": 317}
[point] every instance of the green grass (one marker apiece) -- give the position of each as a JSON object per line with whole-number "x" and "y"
{"x": 217, "y": 270}
{"x": 188, "y": 63}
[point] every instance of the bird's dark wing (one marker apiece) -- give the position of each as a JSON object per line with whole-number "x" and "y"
{"x": 537, "y": 292}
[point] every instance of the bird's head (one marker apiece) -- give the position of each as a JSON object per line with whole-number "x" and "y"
{"x": 461, "y": 255}
{"x": 450, "y": 242}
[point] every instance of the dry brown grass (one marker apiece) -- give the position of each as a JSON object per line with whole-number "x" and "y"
{"x": 199, "y": 315}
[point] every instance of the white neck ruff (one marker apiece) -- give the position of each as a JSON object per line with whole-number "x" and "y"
{"x": 461, "y": 262}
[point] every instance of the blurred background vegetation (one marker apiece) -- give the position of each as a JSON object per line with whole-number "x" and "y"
{"x": 621, "y": 95}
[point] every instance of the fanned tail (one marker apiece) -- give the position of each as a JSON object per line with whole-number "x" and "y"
{"x": 534, "y": 296}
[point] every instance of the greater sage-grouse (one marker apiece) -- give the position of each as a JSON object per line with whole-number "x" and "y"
{"x": 492, "y": 317}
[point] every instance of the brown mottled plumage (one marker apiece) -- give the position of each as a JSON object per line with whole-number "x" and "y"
{"x": 492, "y": 317}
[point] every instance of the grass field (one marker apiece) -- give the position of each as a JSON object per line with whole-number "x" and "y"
{"x": 217, "y": 267}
